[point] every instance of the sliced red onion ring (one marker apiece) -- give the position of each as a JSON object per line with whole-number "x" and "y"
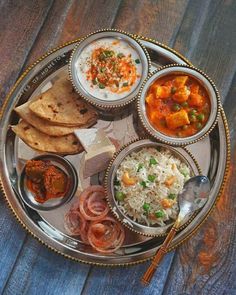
{"x": 106, "y": 235}
{"x": 74, "y": 222}
{"x": 92, "y": 204}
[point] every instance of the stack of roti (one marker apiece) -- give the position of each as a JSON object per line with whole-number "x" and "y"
{"x": 48, "y": 122}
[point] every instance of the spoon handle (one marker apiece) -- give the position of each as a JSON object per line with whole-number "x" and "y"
{"x": 146, "y": 279}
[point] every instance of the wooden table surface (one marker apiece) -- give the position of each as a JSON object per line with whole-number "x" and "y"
{"x": 203, "y": 31}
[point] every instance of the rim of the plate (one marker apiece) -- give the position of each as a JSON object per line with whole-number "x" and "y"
{"x": 191, "y": 233}
{"x": 126, "y": 220}
{"x": 215, "y": 104}
{"x": 94, "y": 100}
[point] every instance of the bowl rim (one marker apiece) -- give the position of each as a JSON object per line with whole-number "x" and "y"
{"x": 205, "y": 81}
{"x": 71, "y": 172}
{"x": 109, "y": 188}
{"x": 129, "y": 38}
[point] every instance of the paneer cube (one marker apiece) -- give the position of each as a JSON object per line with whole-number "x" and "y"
{"x": 178, "y": 119}
{"x": 155, "y": 117}
{"x": 180, "y": 81}
{"x": 150, "y": 99}
{"x": 163, "y": 92}
{"x": 195, "y": 100}
{"x": 181, "y": 95}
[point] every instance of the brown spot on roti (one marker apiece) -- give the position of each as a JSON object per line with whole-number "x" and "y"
{"x": 83, "y": 111}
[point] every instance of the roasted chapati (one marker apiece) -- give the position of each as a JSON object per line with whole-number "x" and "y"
{"x": 61, "y": 105}
{"x": 40, "y": 141}
{"x": 43, "y": 125}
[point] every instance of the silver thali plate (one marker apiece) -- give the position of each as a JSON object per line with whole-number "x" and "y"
{"x": 211, "y": 154}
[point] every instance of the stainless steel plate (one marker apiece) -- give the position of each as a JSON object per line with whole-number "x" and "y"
{"x": 212, "y": 154}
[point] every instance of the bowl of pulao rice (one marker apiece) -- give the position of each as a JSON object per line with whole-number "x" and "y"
{"x": 143, "y": 182}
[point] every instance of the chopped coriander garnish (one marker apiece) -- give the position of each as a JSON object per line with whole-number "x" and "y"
{"x": 140, "y": 166}
{"x": 101, "y": 86}
{"x": 143, "y": 184}
{"x": 159, "y": 214}
{"x": 94, "y": 82}
{"x": 116, "y": 181}
{"x": 152, "y": 161}
{"x": 151, "y": 178}
{"x": 173, "y": 90}
{"x": 146, "y": 207}
{"x": 103, "y": 70}
{"x": 108, "y": 53}
{"x": 125, "y": 84}
{"x": 102, "y": 56}
{"x": 172, "y": 196}
{"x": 120, "y": 55}
{"x": 137, "y": 61}
{"x": 120, "y": 196}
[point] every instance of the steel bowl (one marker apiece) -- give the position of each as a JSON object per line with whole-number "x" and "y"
{"x": 64, "y": 165}
{"x": 136, "y": 145}
{"x": 204, "y": 80}
{"x": 76, "y": 79}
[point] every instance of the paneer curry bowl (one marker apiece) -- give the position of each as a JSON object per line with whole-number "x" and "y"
{"x": 178, "y": 105}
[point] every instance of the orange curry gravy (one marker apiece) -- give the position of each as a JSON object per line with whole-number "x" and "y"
{"x": 177, "y": 105}
{"x": 45, "y": 181}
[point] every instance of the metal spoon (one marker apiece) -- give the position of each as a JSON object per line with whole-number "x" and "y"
{"x": 193, "y": 197}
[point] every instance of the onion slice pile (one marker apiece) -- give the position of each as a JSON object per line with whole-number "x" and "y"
{"x": 92, "y": 203}
{"x": 106, "y": 235}
{"x": 88, "y": 218}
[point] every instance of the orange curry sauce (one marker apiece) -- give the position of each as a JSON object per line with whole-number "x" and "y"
{"x": 177, "y": 105}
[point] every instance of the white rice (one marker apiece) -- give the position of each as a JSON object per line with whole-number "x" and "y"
{"x": 135, "y": 196}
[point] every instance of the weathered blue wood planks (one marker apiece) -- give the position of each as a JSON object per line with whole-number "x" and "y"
{"x": 127, "y": 280}
{"x": 39, "y": 270}
{"x": 20, "y": 24}
{"x": 12, "y": 238}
